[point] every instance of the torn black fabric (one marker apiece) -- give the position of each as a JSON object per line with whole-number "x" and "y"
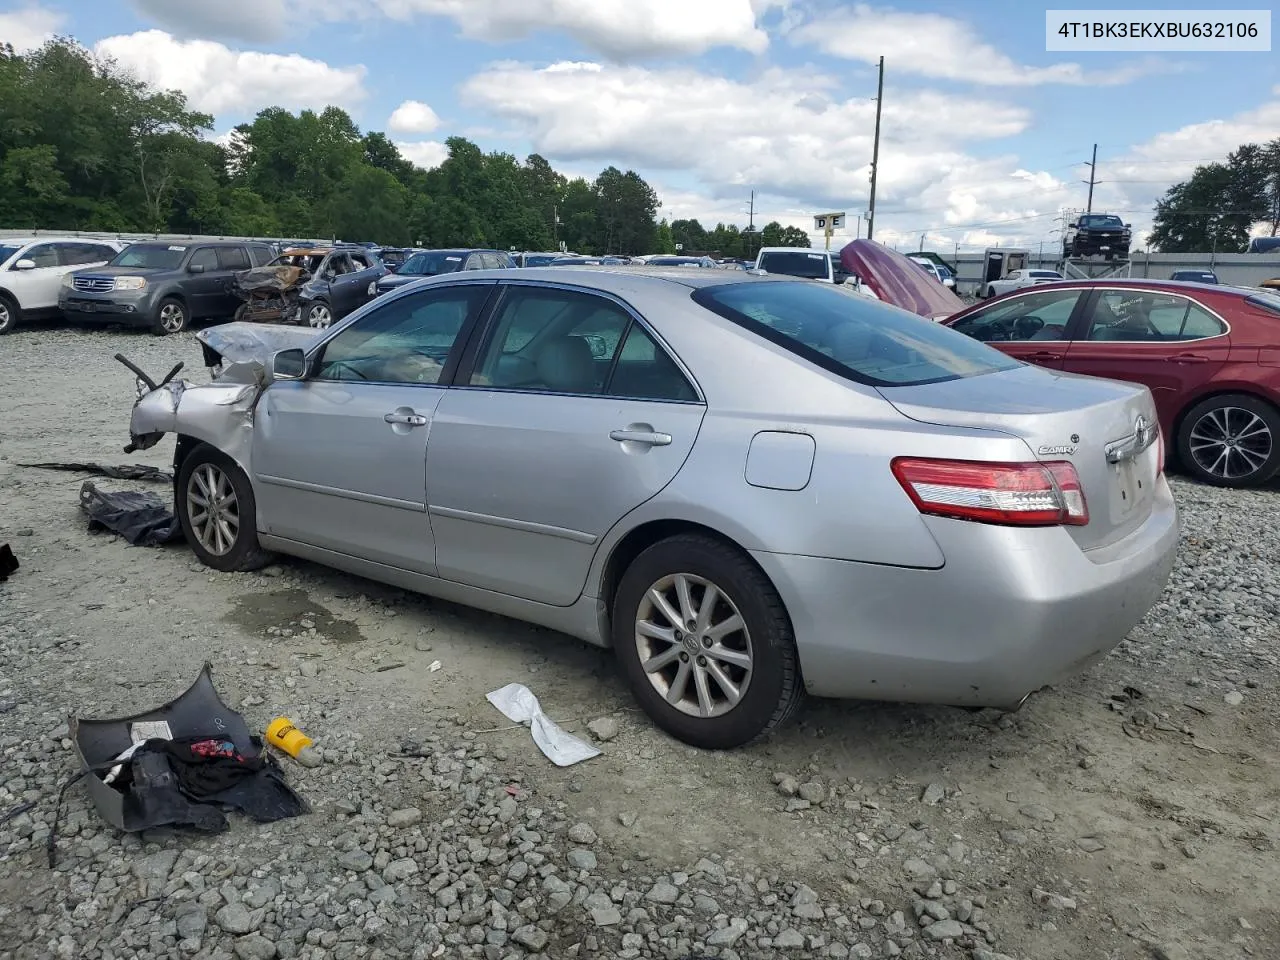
{"x": 8, "y": 562}
{"x": 128, "y": 471}
{"x": 141, "y": 518}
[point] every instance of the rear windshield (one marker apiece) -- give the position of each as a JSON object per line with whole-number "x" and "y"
{"x": 151, "y": 256}
{"x": 859, "y": 338}
{"x": 540, "y": 260}
{"x": 430, "y": 264}
{"x": 1268, "y": 301}
{"x": 798, "y": 264}
{"x": 1046, "y": 275}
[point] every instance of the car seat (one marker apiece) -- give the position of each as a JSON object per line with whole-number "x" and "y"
{"x": 566, "y": 365}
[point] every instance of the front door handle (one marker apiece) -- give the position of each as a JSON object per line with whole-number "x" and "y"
{"x": 1044, "y": 355}
{"x": 1189, "y": 358}
{"x": 650, "y": 437}
{"x": 409, "y": 419}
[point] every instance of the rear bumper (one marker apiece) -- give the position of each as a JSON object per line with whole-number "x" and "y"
{"x": 1011, "y": 611}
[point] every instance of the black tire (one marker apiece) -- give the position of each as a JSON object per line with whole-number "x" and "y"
{"x": 240, "y": 312}
{"x": 171, "y": 317}
{"x": 1239, "y": 414}
{"x": 774, "y": 688}
{"x": 244, "y": 553}
{"x": 991, "y": 292}
{"x": 10, "y": 314}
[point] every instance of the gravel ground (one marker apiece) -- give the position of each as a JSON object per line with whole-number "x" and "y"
{"x": 1131, "y": 813}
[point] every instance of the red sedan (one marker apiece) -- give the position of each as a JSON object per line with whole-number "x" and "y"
{"x": 1209, "y": 354}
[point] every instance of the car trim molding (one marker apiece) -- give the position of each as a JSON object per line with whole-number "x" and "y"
{"x": 340, "y": 492}
{"x": 527, "y": 526}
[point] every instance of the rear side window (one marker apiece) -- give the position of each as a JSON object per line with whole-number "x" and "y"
{"x": 858, "y": 338}
{"x": 260, "y": 255}
{"x": 233, "y": 258}
{"x": 204, "y": 257}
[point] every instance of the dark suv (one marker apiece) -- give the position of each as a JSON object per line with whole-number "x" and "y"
{"x": 342, "y": 278}
{"x": 163, "y": 286}
{"x": 431, "y": 263}
{"x": 1097, "y": 234}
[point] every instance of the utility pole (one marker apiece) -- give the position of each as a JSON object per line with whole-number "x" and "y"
{"x": 875, "y": 154}
{"x": 858, "y": 235}
{"x": 751, "y": 215}
{"x": 1093, "y": 173}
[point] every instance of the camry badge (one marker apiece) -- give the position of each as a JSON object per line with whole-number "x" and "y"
{"x": 1064, "y": 449}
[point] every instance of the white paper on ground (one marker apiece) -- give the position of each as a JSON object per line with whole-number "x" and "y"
{"x": 519, "y": 705}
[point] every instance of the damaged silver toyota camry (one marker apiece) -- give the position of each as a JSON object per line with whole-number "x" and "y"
{"x": 749, "y": 487}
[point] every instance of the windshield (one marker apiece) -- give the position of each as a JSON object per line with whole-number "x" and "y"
{"x": 150, "y": 256}
{"x": 858, "y": 338}
{"x": 798, "y": 264}
{"x": 7, "y": 252}
{"x": 1102, "y": 221}
{"x": 540, "y": 259}
{"x": 430, "y": 264}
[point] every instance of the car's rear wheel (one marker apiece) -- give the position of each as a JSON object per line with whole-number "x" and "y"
{"x": 319, "y": 316}
{"x": 171, "y": 317}
{"x": 706, "y": 643}
{"x": 10, "y": 314}
{"x": 1231, "y": 441}
{"x": 217, "y": 512}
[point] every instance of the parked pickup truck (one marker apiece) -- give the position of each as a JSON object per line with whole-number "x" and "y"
{"x": 1097, "y": 234}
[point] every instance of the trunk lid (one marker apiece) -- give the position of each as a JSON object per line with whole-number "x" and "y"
{"x": 1106, "y": 429}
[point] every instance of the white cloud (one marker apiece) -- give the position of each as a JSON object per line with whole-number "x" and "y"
{"x": 256, "y": 21}
{"x": 423, "y": 153}
{"x": 619, "y": 29}
{"x": 786, "y": 132}
{"x": 217, "y": 79}
{"x": 29, "y": 27}
{"x": 934, "y": 45}
{"x": 413, "y": 116}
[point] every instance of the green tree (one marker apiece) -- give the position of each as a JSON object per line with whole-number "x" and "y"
{"x": 666, "y": 240}
{"x": 371, "y": 204}
{"x": 31, "y": 186}
{"x": 690, "y": 234}
{"x": 1218, "y": 206}
{"x": 625, "y": 211}
{"x": 794, "y": 237}
{"x": 771, "y": 235}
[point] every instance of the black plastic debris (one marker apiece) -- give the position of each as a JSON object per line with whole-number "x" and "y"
{"x": 181, "y": 764}
{"x": 141, "y": 518}
{"x": 8, "y": 562}
{"x": 128, "y": 471}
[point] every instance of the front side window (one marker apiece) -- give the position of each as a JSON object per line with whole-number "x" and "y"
{"x": 204, "y": 257}
{"x": 1042, "y": 315}
{"x": 408, "y": 340}
{"x": 857, "y": 338}
{"x": 1144, "y": 316}
{"x": 44, "y": 255}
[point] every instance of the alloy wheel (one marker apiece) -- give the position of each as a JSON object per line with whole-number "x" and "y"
{"x": 319, "y": 316}
{"x": 694, "y": 645}
{"x": 213, "y": 509}
{"x": 1231, "y": 443}
{"x": 6, "y": 317}
{"x": 171, "y": 318}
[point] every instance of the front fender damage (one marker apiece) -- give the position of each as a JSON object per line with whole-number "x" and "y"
{"x": 220, "y": 413}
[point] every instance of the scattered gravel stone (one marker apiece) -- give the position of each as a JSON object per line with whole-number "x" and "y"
{"x": 603, "y": 729}
{"x": 1038, "y": 812}
{"x": 944, "y": 930}
{"x": 1054, "y": 901}
{"x": 582, "y": 833}
{"x": 813, "y": 792}
{"x": 1234, "y": 698}
{"x": 581, "y": 859}
{"x": 405, "y": 817}
{"x": 663, "y": 892}
{"x": 356, "y": 860}
{"x": 1090, "y": 844}
{"x": 788, "y": 786}
{"x": 933, "y": 794}
{"x": 235, "y": 917}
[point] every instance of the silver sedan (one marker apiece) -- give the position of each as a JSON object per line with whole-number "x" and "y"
{"x": 749, "y": 487}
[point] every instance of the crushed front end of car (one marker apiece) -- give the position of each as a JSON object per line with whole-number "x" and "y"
{"x": 219, "y": 412}
{"x": 270, "y": 293}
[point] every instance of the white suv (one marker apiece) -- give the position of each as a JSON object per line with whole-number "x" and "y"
{"x": 32, "y": 268}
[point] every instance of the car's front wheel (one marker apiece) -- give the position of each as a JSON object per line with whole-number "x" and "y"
{"x": 171, "y": 317}
{"x": 217, "y": 512}
{"x": 1231, "y": 441}
{"x": 319, "y": 316}
{"x": 706, "y": 643}
{"x": 10, "y": 314}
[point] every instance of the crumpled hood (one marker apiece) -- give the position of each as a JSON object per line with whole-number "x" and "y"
{"x": 232, "y": 343}
{"x": 896, "y": 280}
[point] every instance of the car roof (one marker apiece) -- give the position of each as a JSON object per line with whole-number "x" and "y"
{"x": 615, "y": 279}
{"x": 23, "y": 241}
{"x": 792, "y": 250}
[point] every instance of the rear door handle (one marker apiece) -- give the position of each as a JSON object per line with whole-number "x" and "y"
{"x": 409, "y": 419}
{"x": 1044, "y": 355}
{"x": 1189, "y": 358}
{"x": 650, "y": 437}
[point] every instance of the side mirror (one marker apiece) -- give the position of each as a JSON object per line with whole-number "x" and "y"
{"x": 25, "y": 264}
{"x": 195, "y": 268}
{"x": 289, "y": 364}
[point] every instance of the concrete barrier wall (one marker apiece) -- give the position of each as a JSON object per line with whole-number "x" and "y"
{"x": 1237, "y": 269}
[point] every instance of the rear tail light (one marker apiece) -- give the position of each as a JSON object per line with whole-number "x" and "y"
{"x": 1033, "y": 494}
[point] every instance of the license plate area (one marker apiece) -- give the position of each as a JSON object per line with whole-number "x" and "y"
{"x": 1131, "y": 487}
